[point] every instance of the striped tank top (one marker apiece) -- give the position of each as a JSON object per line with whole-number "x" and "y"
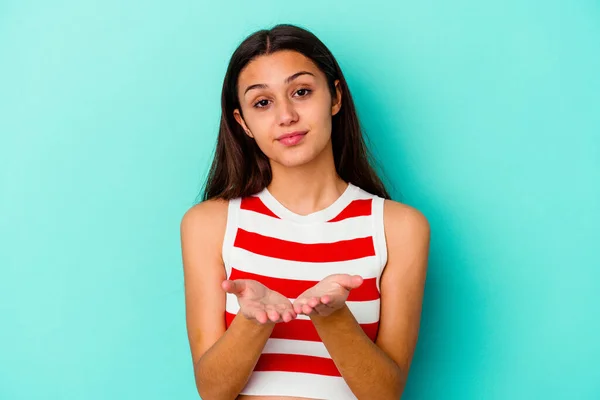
{"x": 290, "y": 253}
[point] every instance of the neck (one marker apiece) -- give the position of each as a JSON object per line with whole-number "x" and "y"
{"x": 307, "y": 188}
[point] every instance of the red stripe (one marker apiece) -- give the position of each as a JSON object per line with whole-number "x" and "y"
{"x": 253, "y": 203}
{"x": 357, "y": 208}
{"x": 292, "y": 288}
{"x": 343, "y": 250}
{"x": 302, "y": 329}
{"x": 297, "y": 363}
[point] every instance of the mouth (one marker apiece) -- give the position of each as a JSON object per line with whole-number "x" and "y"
{"x": 292, "y": 138}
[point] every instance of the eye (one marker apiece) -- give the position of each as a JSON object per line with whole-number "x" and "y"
{"x": 303, "y": 92}
{"x": 261, "y": 103}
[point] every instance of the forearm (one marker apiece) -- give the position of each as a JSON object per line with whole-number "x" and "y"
{"x": 366, "y": 368}
{"x": 223, "y": 370}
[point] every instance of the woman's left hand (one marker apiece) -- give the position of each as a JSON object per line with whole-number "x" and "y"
{"x": 327, "y": 296}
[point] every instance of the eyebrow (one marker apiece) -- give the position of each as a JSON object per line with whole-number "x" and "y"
{"x": 287, "y": 80}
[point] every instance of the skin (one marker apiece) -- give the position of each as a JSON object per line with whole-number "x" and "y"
{"x": 372, "y": 370}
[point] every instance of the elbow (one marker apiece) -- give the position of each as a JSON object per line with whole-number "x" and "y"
{"x": 400, "y": 378}
{"x": 205, "y": 390}
{"x": 209, "y": 388}
{"x": 214, "y": 392}
{"x": 390, "y": 384}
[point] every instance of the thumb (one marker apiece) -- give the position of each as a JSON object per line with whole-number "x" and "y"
{"x": 234, "y": 287}
{"x": 350, "y": 282}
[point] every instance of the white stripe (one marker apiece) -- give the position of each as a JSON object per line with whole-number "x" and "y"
{"x": 365, "y": 312}
{"x": 367, "y": 267}
{"x": 348, "y": 229}
{"x": 298, "y": 385}
{"x": 379, "y": 236}
{"x": 230, "y": 231}
{"x": 361, "y": 194}
{"x": 300, "y": 347}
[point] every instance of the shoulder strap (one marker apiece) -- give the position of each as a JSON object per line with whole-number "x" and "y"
{"x": 379, "y": 231}
{"x": 230, "y": 232}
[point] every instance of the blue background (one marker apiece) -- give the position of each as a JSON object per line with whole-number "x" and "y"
{"x": 484, "y": 115}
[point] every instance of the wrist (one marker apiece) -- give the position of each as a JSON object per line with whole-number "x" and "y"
{"x": 252, "y": 326}
{"x": 319, "y": 319}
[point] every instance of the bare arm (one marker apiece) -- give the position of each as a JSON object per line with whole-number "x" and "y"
{"x": 380, "y": 370}
{"x": 369, "y": 371}
{"x": 223, "y": 370}
{"x": 223, "y": 359}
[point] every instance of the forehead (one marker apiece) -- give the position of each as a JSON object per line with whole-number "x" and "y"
{"x": 273, "y": 68}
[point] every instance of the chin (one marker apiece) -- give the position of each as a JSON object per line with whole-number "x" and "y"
{"x": 295, "y": 160}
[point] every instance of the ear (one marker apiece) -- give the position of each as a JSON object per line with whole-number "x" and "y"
{"x": 337, "y": 100}
{"x": 238, "y": 117}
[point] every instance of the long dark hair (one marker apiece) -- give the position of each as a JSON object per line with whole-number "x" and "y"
{"x": 239, "y": 167}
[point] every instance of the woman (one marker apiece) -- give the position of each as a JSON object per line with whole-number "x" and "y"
{"x": 302, "y": 279}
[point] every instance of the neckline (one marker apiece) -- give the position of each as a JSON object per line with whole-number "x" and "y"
{"x": 323, "y": 215}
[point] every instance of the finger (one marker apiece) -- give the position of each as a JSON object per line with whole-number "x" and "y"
{"x": 290, "y": 311}
{"x": 313, "y": 302}
{"x": 234, "y": 287}
{"x": 273, "y": 315}
{"x": 255, "y": 313}
{"x": 301, "y": 305}
{"x": 350, "y": 281}
{"x": 325, "y": 299}
{"x": 261, "y": 316}
{"x": 297, "y": 306}
{"x": 288, "y": 316}
{"x": 276, "y": 309}
{"x": 306, "y": 309}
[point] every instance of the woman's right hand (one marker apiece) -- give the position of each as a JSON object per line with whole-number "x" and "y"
{"x": 258, "y": 302}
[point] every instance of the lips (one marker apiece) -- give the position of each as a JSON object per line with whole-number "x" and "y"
{"x": 292, "y": 138}
{"x": 287, "y": 135}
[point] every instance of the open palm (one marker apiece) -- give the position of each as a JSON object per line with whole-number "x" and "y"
{"x": 258, "y": 302}
{"x": 327, "y": 296}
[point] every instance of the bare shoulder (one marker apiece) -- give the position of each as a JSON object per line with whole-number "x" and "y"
{"x": 203, "y": 228}
{"x": 407, "y": 234}
{"x": 206, "y": 214}
{"x": 404, "y": 221}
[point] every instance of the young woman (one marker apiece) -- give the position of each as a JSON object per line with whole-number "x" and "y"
{"x": 303, "y": 280}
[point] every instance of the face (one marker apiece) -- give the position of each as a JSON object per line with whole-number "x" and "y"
{"x": 287, "y": 107}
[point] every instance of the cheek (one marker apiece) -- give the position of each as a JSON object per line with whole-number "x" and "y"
{"x": 322, "y": 127}
{"x": 264, "y": 140}
{"x": 265, "y": 145}
{"x": 260, "y": 128}
{"x": 322, "y": 116}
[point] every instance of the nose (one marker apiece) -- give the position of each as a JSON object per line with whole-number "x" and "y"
{"x": 286, "y": 113}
